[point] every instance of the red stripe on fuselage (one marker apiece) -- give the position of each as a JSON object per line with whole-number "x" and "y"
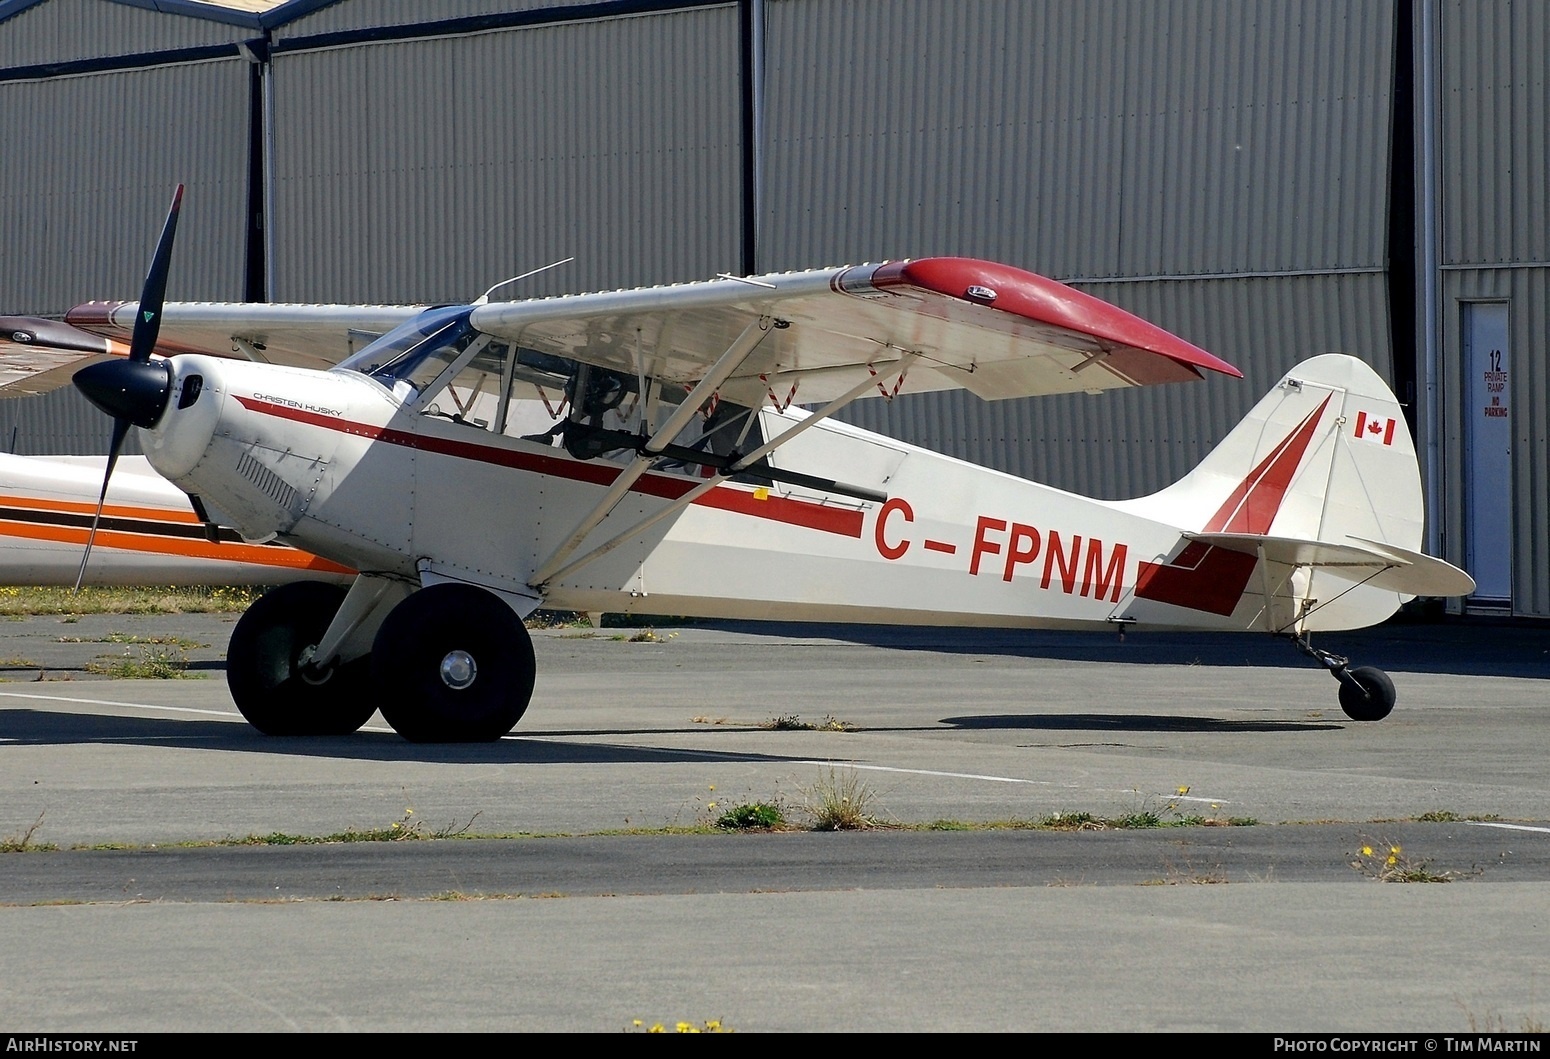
{"x": 843, "y": 521}
{"x": 1207, "y": 578}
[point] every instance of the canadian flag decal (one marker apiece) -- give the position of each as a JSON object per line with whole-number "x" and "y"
{"x": 1374, "y": 428}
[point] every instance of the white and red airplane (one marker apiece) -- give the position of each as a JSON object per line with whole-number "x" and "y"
{"x": 642, "y": 451}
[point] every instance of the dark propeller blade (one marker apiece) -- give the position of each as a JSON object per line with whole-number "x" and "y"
{"x": 133, "y": 391}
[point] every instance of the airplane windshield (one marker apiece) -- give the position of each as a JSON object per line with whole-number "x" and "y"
{"x": 413, "y": 355}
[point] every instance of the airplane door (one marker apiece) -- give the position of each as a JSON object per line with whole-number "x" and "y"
{"x": 1487, "y": 453}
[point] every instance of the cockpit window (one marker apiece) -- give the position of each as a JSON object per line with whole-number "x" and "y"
{"x": 413, "y": 355}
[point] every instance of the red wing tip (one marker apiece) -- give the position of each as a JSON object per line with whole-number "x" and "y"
{"x": 1046, "y": 301}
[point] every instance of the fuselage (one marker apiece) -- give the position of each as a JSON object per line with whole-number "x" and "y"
{"x": 338, "y": 464}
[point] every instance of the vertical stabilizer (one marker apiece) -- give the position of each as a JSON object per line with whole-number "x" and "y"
{"x": 1325, "y": 456}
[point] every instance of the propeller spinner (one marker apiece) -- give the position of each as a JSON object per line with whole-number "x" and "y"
{"x": 133, "y": 391}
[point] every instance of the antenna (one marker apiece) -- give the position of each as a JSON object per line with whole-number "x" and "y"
{"x": 484, "y": 298}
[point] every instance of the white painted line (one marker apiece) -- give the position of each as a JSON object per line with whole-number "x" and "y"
{"x": 1507, "y": 827}
{"x": 725, "y": 755}
{"x": 225, "y": 714}
{"x": 931, "y": 772}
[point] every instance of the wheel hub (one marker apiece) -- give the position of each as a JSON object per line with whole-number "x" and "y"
{"x": 458, "y": 670}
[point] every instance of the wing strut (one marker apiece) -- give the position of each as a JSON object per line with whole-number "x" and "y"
{"x": 725, "y": 365}
{"x": 544, "y": 575}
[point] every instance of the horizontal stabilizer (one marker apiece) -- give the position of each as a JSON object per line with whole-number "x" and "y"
{"x": 1393, "y": 569}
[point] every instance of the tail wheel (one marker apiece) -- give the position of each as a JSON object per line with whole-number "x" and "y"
{"x": 454, "y": 664}
{"x": 1366, "y": 694}
{"x": 266, "y": 666}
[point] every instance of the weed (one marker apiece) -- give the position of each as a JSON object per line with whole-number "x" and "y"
{"x": 23, "y": 842}
{"x": 708, "y": 1026}
{"x": 948, "y": 825}
{"x": 1492, "y": 1021}
{"x": 1388, "y": 862}
{"x": 405, "y": 829}
{"x": 1071, "y": 822}
{"x": 751, "y": 816}
{"x": 18, "y": 663}
{"x": 1439, "y": 816}
{"x": 790, "y": 722}
{"x": 839, "y": 801}
{"x": 649, "y": 635}
{"x": 154, "y": 662}
{"x": 1148, "y": 814}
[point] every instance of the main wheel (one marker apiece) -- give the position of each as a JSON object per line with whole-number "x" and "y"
{"x": 265, "y": 666}
{"x": 453, "y": 664}
{"x": 1371, "y": 699}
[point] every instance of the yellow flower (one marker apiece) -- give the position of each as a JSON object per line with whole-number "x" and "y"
{"x": 711, "y": 805}
{"x": 1394, "y": 850}
{"x": 1183, "y": 790}
{"x": 1392, "y": 859}
{"x": 1366, "y": 851}
{"x": 686, "y": 1027}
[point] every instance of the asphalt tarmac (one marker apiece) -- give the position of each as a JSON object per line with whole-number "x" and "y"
{"x": 588, "y": 914}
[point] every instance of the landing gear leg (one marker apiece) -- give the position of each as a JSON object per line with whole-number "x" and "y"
{"x": 453, "y": 664}
{"x": 1366, "y": 693}
{"x": 268, "y": 666}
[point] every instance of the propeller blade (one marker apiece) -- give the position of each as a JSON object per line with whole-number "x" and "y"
{"x": 133, "y": 392}
{"x": 120, "y": 432}
{"x": 148, "y": 319}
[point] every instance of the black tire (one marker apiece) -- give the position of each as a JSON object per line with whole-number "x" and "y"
{"x": 465, "y": 632}
{"x": 1371, "y": 699}
{"x": 263, "y": 666}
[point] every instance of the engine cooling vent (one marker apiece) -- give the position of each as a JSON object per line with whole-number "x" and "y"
{"x": 271, "y": 484}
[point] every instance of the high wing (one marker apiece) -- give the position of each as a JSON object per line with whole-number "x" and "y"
{"x": 303, "y": 336}
{"x": 38, "y": 355}
{"x": 914, "y": 326}
{"x": 931, "y": 324}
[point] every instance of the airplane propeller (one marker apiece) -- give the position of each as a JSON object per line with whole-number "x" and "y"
{"x": 133, "y": 391}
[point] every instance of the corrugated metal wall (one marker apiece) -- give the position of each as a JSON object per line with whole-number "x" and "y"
{"x": 90, "y": 165}
{"x": 354, "y": 14}
{"x": 1084, "y": 140}
{"x": 62, "y": 31}
{"x": 432, "y": 169}
{"x": 60, "y": 423}
{"x": 1495, "y": 211}
{"x": 1220, "y": 155}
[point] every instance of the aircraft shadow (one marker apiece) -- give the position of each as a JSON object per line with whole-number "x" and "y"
{"x": 1463, "y": 647}
{"x": 27, "y": 727}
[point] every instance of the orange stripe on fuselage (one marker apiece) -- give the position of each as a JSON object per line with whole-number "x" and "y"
{"x": 155, "y": 514}
{"x": 255, "y": 554}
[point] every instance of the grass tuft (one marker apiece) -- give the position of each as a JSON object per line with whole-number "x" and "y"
{"x": 152, "y": 662}
{"x": 23, "y": 842}
{"x": 840, "y": 801}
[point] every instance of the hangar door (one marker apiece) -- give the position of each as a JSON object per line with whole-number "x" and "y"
{"x": 1487, "y": 395}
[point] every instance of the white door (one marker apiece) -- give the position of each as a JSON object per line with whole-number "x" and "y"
{"x": 1487, "y": 452}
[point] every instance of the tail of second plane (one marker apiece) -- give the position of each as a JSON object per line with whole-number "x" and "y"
{"x": 1312, "y": 505}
